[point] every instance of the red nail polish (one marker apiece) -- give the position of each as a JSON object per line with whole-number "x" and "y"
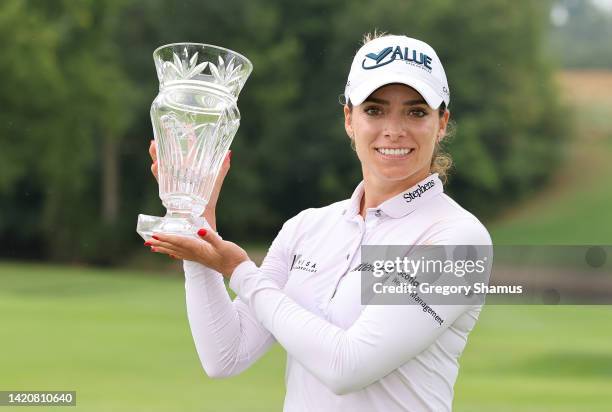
{"x": 147, "y": 243}
{"x": 155, "y": 237}
{"x": 152, "y": 249}
{"x": 173, "y": 257}
{"x": 230, "y": 155}
{"x": 202, "y": 232}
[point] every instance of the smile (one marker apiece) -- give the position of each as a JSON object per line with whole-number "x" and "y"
{"x": 395, "y": 153}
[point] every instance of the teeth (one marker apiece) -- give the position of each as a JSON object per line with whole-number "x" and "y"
{"x": 394, "y": 152}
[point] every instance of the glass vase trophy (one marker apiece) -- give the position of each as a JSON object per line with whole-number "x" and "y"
{"x": 195, "y": 118}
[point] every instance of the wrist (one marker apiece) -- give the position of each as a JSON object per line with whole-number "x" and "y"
{"x": 211, "y": 219}
{"x": 232, "y": 268}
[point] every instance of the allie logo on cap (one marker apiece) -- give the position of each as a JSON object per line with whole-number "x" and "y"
{"x": 409, "y": 56}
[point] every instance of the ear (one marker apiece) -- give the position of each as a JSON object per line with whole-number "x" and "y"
{"x": 348, "y": 122}
{"x": 443, "y": 125}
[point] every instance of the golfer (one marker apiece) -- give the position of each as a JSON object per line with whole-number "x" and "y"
{"x": 343, "y": 355}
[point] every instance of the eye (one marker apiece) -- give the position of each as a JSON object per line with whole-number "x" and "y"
{"x": 418, "y": 112}
{"x": 372, "y": 110}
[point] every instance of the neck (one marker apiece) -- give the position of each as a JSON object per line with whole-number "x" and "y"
{"x": 376, "y": 192}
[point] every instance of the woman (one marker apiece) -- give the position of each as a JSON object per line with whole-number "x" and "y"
{"x": 306, "y": 295}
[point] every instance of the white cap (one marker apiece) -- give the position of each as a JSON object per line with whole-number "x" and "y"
{"x": 397, "y": 59}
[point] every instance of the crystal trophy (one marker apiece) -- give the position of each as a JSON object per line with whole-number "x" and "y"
{"x": 195, "y": 118}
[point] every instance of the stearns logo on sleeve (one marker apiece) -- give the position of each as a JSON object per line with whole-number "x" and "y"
{"x": 390, "y": 54}
{"x": 416, "y": 193}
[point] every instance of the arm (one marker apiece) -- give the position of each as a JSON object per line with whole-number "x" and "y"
{"x": 344, "y": 360}
{"x": 383, "y": 338}
{"x": 227, "y": 336}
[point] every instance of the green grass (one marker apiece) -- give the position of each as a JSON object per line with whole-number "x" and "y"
{"x": 537, "y": 358}
{"x": 122, "y": 341}
{"x": 576, "y": 207}
{"x": 546, "y": 358}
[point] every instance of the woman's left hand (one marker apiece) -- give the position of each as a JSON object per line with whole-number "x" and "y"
{"x": 211, "y": 250}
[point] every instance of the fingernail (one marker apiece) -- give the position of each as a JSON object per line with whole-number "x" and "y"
{"x": 173, "y": 257}
{"x": 152, "y": 249}
{"x": 202, "y": 232}
{"x": 155, "y": 237}
{"x": 230, "y": 155}
{"x": 147, "y": 243}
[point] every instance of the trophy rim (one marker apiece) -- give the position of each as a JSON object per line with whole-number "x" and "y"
{"x": 242, "y": 56}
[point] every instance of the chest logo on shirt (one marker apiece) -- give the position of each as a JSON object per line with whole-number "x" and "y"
{"x": 301, "y": 263}
{"x": 363, "y": 267}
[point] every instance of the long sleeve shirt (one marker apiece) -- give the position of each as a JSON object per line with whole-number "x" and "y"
{"x": 342, "y": 355}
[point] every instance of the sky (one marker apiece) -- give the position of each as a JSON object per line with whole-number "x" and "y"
{"x": 603, "y": 4}
{"x": 559, "y": 14}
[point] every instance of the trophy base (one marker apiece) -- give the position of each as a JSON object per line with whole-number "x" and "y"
{"x": 184, "y": 225}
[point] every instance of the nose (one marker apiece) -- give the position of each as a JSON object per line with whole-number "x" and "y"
{"x": 393, "y": 128}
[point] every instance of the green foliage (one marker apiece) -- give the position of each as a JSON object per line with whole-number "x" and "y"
{"x": 64, "y": 94}
{"x": 583, "y": 40}
{"x": 79, "y": 76}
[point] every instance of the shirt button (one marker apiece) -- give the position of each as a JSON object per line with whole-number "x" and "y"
{"x": 378, "y": 213}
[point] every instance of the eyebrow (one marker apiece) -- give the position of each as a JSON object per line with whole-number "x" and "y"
{"x": 406, "y": 103}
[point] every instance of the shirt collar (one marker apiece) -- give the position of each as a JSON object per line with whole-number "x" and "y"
{"x": 403, "y": 203}
{"x": 354, "y": 202}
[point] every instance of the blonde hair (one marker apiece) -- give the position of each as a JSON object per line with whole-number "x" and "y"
{"x": 369, "y": 36}
{"x": 441, "y": 161}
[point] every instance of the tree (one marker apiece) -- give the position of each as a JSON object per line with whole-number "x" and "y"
{"x": 65, "y": 99}
{"x": 80, "y": 81}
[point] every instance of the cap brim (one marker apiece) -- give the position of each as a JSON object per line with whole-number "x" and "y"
{"x": 362, "y": 92}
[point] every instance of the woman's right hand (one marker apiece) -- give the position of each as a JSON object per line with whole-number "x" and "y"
{"x": 209, "y": 212}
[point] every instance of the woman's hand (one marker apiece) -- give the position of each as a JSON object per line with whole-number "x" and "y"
{"x": 211, "y": 251}
{"x": 209, "y": 212}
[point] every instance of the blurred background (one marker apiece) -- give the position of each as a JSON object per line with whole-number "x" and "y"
{"x": 84, "y": 306}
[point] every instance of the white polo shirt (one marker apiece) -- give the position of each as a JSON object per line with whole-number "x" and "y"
{"x": 341, "y": 355}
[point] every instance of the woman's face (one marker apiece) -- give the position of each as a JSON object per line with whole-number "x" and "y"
{"x": 395, "y": 133}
